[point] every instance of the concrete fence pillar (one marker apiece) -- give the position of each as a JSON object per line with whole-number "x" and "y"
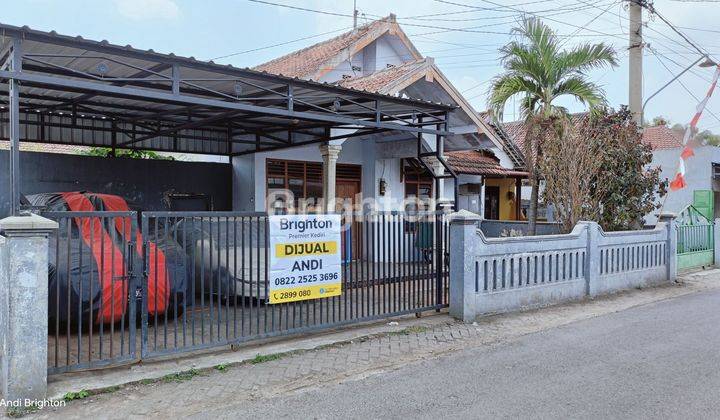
{"x": 592, "y": 260}
{"x": 671, "y": 251}
{"x": 716, "y": 242}
{"x": 24, "y": 306}
{"x": 463, "y": 240}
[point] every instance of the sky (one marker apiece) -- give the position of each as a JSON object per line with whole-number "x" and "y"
{"x": 462, "y": 35}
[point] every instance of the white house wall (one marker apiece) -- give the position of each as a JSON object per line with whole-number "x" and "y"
{"x": 698, "y": 175}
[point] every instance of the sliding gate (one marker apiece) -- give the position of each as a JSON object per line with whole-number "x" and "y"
{"x": 175, "y": 282}
{"x": 695, "y": 239}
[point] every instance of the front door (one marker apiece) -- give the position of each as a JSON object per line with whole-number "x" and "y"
{"x": 492, "y": 203}
{"x": 347, "y": 193}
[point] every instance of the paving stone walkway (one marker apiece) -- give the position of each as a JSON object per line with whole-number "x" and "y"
{"x": 191, "y": 394}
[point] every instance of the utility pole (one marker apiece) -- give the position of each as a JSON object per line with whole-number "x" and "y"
{"x": 355, "y": 14}
{"x": 636, "y": 60}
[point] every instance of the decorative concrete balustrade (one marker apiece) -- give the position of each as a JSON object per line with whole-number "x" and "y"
{"x": 493, "y": 275}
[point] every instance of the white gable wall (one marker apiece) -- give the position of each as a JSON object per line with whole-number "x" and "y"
{"x": 345, "y": 68}
{"x": 375, "y": 56}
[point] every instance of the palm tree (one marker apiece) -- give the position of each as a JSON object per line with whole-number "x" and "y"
{"x": 539, "y": 71}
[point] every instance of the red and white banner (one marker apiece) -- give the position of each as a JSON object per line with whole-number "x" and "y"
{"x": 679, "y": 181}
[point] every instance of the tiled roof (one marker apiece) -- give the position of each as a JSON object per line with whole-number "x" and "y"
{"x": 658, "y": 137}
{"x": 47, "y": 148}
{"x": 478, "y": 162}
{"x": 307, "y": 61}
{"x": 382, "y": 81}
{"x": 661, "y": 137}
{"x": 517, "y": 130}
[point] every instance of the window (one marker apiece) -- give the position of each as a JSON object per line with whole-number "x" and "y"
{"x": 293, "y": 185}
{"x": 418, "y": 183}
{"x": 298, "y": 186}
{"x": 418, "y": 190}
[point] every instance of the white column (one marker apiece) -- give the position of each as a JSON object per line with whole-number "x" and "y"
{"x": 330, "y": 153}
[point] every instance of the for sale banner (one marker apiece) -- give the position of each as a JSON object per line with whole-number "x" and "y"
{"x": 305, "y": 261}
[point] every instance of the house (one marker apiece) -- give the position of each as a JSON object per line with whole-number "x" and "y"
{"x": 385, "y": 167}
{"x": 702, "y": 172}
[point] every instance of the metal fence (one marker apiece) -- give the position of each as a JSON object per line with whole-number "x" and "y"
{"x": 91, "y": 310}
{"x": 696, "y": 239}
{"x": 196, "y": 280}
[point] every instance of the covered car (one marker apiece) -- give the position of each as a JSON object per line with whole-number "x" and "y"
{"x": 91, "y": 257}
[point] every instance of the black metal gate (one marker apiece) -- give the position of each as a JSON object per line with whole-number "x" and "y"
{"x": 198, "y": 280}
{"x": 92, "y": 315}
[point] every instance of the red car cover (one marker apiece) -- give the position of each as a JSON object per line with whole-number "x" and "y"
{"x": 89, "y": 275}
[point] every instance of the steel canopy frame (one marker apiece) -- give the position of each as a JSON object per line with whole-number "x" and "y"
{"x": 69, "y": 90}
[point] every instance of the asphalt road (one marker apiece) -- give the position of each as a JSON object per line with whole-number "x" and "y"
{"x": 660, "y": 360}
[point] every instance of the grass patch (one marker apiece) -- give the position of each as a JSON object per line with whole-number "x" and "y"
{"x": 180, "y": 376}
{"x": 416, "y": 329}
{"x": 80, "y": 395}
{"x": 263, "y": 358}
{"x": 222, "y": 367}
{"x": 107, "y": 390}
{"x": 17, "y": 412}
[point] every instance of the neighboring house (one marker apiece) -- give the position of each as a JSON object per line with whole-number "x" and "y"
{"x": 486, "y": 187}
{"x": 702, "y": 172}
{"x": 376, "y": 57}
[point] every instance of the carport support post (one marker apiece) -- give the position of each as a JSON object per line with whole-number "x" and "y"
{"x": 24, "y": 306}
{"x": 14, "y": 122}
{"x": 330, "y": 153}
{"x": 463, "y": 234}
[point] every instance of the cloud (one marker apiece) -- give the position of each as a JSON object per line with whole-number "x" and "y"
{"x": 148, "y": 9}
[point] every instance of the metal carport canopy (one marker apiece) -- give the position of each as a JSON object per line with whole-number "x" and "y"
{"x": 70, "y": 90}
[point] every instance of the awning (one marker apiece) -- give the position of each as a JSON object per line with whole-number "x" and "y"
{"x": 82, "y": 92}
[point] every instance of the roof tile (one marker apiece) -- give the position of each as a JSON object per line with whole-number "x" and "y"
{"x": 307, "y": 61}
{"x": 478, "y": 162}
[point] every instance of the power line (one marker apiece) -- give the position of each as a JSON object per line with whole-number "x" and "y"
{"x": 652, "y": 9}
{"x": 279, "y": 44}
{"x": 659, "y": 58}
{"x": 530, "y": 13}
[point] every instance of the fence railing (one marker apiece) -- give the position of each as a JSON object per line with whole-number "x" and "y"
{"x": 393, "y": 263}
{"x": 123, "y": 288}
{"x": 490, "y": 275}
{"x": 91, "y": 309}
{"x": 696, "y": 239}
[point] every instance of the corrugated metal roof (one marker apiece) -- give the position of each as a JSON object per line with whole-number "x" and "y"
{"x": 80, "y": 60}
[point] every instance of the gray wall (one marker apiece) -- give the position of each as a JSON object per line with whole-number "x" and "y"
{"x": 142, "y": 182}
{"x": 491, "y": 275}
{"x": 494, "y": 228}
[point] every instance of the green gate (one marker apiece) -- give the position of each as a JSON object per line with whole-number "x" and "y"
{"x": 695, "y": 239}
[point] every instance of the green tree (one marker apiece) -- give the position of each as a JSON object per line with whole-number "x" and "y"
{"x": 126, "y": 153}
{"x": 539, "y": 71}
{"x": 626, "y": 185}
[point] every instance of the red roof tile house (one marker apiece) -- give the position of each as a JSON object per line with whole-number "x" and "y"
{"x": 379, "y": 57}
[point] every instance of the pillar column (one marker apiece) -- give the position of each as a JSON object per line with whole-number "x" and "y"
{"x": 24, "y": 306}
{"x": 330, "y": 153}
{"x": 671, "y": 250}
{"x": 463, "y": 231}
